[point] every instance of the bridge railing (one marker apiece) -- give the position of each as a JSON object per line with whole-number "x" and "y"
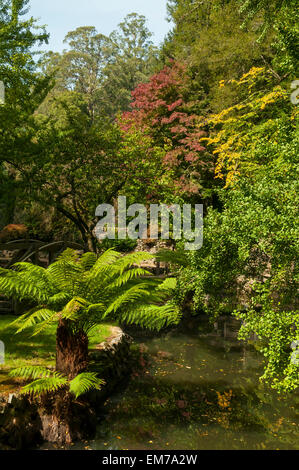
{"x": 32, "y": 251}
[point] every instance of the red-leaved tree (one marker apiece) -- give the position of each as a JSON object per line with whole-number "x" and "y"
{"x": 165, "y": 109}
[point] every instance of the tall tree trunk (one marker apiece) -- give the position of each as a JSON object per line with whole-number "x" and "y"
{"x": 91, "y": 243}
{"x": 71, "y": 350}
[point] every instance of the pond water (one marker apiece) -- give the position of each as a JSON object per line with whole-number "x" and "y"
{"x": 197, "y": 388}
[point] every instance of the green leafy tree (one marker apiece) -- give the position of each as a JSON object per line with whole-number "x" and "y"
{"x": 248, "y": 259}
{"x": 78, "y": 292}
{"x": 279, "y": 17}
{"x": 131, "y": 58}
{"x": 81, "y": 166}
{"x": 207, "y": 36}
{"x": 85, "y": 163}
{"x": 85, "y": 159}
{"x": 80, "y": 68}
{"x": 104, "y": 70}
{"x": 25, "y": 89}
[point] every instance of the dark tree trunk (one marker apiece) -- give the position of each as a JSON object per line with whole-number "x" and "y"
{"x": 91, "y": 243}
{"x": 71, "y": 350}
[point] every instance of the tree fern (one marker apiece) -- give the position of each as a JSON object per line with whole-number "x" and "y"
{"x": 78, "y": 292}
{"x": 85, "y": 289}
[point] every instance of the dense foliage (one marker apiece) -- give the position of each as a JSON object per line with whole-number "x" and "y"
{"x": 207, "y": 118}
{"x": 25, "y": 89}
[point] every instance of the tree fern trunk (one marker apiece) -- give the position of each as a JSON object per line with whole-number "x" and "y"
{"x": 71, "y": 350}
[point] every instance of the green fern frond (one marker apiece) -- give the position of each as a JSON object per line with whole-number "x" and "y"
{"x": 12, "y": 284}
{"x": 65, "y": 275}
{"x": 132, "y": 259}
{"x": 129, "y": 296}
{"x": 88, "y": 260}
{"x": 68, "y": 255}
{"x": 35, "y": 318}
{"x": 34, "y": 270}
{"x": 31, "y": 372}
{"x": 85, "y": 382}
{"x": 45, "y": 380}
{"x": 20, "y": 320}
{"x": 34, "y": 274}
{"x": 43, "y": 325}
{"x": 129, "y": 275}
{"x": 59, "y": 299}
{"x": 46, "y": 385}
{"x": 106, "y": 259}
{"x": 83, "y": 289}
{"x": 74, "y": 308}
{"x": 169, "y": 284}
{"x": 95, "y": 308}
{"x": 153, "y": 317}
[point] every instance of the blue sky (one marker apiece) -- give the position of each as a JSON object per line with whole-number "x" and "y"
{"x": 62, "y": 16}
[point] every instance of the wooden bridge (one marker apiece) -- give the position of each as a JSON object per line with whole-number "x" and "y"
{"x": 33, "y": 251}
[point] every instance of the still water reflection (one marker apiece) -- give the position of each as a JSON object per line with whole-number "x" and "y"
{"x": 197, "y": 388}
